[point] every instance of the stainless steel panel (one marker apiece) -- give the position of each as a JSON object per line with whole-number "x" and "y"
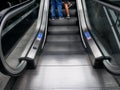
{"x": 64, "y": 77}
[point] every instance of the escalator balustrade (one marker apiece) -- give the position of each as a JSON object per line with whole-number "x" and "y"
{"x": 8, "y": 3}
{"x": 11, "y": 32}
{"x": 105, "y": 19}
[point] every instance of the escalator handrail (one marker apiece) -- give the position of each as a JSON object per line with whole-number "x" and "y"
{"x": 89, "y": 27}
{"x": 39, "y": 41}
{"x": 7, "y": 10}
{"x": 113, "y": 69}
{"x": 113, "y": 7}
{"x": 6, "y": 69}
{"x": 85, "y": 28}
{"x": 39, "y": 22}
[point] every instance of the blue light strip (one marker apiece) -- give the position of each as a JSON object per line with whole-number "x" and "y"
{"x": 87, "y": 35}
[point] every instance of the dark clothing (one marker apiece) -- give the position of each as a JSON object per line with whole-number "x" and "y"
{"x": 56, "y": 4}
{"x": 65, "y": 1}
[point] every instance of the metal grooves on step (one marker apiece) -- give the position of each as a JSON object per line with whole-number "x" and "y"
{"x": 63, "y": 30}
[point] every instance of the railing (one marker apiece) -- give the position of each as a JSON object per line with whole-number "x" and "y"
{"x": 10, "y": 13}
{"x": 99, "y": 31}
{"x": 37, "y": 40}
{"x": 5, "y": 11}
{"x": 115, "y": 8}
{"x": 40, "y": 38}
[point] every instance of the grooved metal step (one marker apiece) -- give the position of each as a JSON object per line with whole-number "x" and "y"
{"x": 73, "y": 12}
{"x": 64, "y": 60}
{"x": 64, "y": 48}
{"x": 64, "y": 30}
{"x": 63, "y": 22}
{"x": 63, "y": 38}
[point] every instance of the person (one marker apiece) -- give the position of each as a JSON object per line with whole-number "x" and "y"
{"x": 56, "y": 4}
{"x": 66, "y": 5}
{"x": 69, "y": 3}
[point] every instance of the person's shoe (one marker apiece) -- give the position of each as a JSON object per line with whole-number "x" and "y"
{"x": 61, "y": 18}
{"x": 69, "y": 5}
{"x": 68, "y": 17}
{"x": 53, "y": 18}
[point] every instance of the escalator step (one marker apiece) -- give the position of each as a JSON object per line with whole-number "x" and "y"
{"x": 73, "y": 12}
{"x": 64, "y": 48}
{"x": 63, "y": 38}
{"x": 64, "y": 30}
{"x": 63, "y": 22}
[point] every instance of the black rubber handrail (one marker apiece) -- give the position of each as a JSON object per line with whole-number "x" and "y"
{"x": 113, "y": 7}
{"x": 33, "y": 38}
{"x": 40, "y": 38}
{"x": 86, "y": 28}
{"x": 7, "y": 10}
{"x": 113, "y": 69}
{"x": 17, "y": 21}
{"x": 5, "y": 68}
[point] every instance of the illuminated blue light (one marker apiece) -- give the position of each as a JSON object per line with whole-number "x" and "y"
{"x": 40, "y": 35}
{"x": 87, "y": 35}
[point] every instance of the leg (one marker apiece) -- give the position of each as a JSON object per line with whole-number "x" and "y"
{"x": 67, "y": 9}
{"x": 59, "y": 7}
{"x": 53, "y": 6}
{"x": 69, "y": 3}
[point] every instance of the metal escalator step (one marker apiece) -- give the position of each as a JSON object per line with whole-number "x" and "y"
{"x": 63, "y": 30}
{"x": 64, "y": 60}
{"x": 63, "y": 22}
{"x": 63, "y": 38}
{"x": 73, "y": 12}
{"x": 64, "y": 48}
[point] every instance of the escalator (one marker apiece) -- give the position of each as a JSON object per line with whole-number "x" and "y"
{"x": 63, "y": 61}
{"x": 60, "y": 54}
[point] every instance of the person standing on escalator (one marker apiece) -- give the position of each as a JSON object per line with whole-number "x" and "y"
{"x": 67, "y": 5}
{"x": 56, "y": 4}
